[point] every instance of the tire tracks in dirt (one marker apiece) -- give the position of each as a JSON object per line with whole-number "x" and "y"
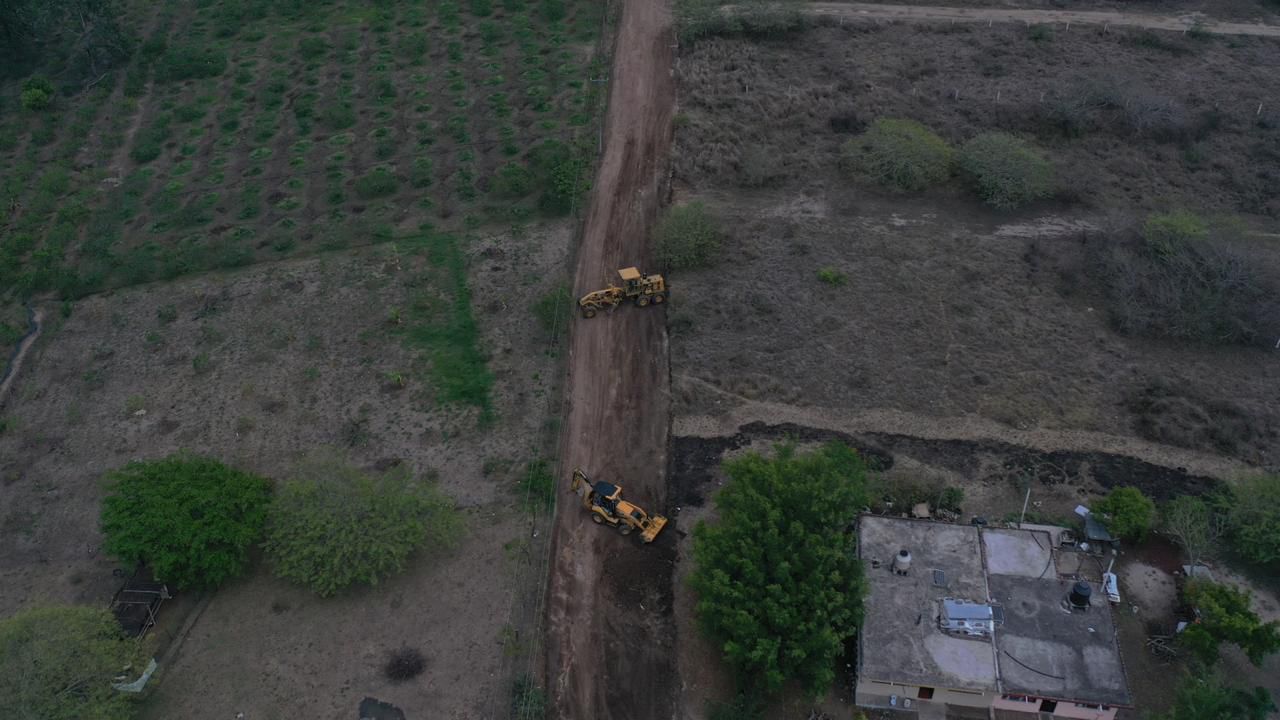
{"x": 1179, "y": 23}
{"x": 609, "y": 630}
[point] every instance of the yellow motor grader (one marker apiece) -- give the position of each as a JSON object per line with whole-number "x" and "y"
{"x": 643, "y": 289}
{"x": 604, "y": 501}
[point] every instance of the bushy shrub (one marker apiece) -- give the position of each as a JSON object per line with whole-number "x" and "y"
{"x": 37, "y": 93}
{"x": 379, "y": 183}
{"x": 696, "y": 19}
{"x": 1166, "y": 234}
{"x": 1006, "y": 171}
{"x": 312, "y": 47}
{"x": 190, "y": 62}
{"x": 528, "y": 701}
{"x": 58, "y": 663}
{"x": 190, "y": 518}
{"x": 1253, "y": 519}
{"x": 1177, "y": 280}
{"x": 1202, "y": 696}
{"x": 512, "y": 181}
{"x": 832, "y": 276}
{"x": 333, "y": 526}
{"x": 1128, "y": 512}
{"x": 899, "y": 154}
{"x": 562, "y": 171}
{"x": 537, "y": 488}
{"x": 552, "y": 309}
{"x": 688, "y": 237}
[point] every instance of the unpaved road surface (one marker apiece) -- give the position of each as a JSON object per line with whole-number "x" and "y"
{"x": 609, "y": 628}
{"x": 1075, "y": 17}
{"x": 15, "y": 363}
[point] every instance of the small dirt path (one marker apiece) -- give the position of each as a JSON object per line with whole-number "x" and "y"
{"x": 15, "y": 363}
{"x": 609, "y": 629}
{"x": 1074, "y": 17}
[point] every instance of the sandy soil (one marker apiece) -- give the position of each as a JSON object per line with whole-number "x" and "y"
{"x": 1074, "y": 17}
{"x": 609, "y": 631}
{"x": 299, "y": 354}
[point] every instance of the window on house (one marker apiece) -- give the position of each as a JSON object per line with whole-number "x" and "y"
{"x": 1048, "y": 705}
{"x": 926, "y": 693}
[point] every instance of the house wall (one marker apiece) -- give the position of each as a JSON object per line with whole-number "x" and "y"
{"x": 1071, "y": 710}
{"x": 876, "y": 694}
{"x": 1063, "y": 710}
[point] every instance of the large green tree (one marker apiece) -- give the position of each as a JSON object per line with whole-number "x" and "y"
{"x": 333, "y": 526}
{"x": 1253, "y": 519}
{"x": 1225, "y": 616}
{"x": 778, "y": 580}
{"x": 1208, "y": 698}
{"x": 1129, "y": 513}
{"x": 190, "y": 518}
{"x": 58, "y": 663}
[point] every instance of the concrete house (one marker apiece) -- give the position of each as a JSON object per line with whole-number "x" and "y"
{"x": 983, "y": 623}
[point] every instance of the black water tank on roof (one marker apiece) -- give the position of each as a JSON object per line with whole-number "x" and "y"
{"x": 1080, "y": 593}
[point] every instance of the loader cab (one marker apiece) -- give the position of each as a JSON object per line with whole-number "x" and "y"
{"x": 606, "y": 495}
{"x": 632, "y": 282}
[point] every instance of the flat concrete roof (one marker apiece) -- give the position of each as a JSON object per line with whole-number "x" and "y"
{"x": 900, "y": 640}
{"x": 1041, "y": 649}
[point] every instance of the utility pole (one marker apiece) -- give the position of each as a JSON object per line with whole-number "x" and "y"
{"x": 1024, "y": 506}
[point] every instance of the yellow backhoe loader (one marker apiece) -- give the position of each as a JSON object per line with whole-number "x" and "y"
{"x": 604, "y": 501}
{"x": 643, "y": 289}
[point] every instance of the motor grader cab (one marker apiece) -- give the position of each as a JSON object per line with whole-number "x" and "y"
{"x": 642, "y": 289}
{"x": 604, "y": 501}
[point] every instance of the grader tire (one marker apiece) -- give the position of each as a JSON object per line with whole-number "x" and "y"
{"x": 595, "y": 518}
{"x": 642, "y": 301}
{"x": 659, "y": 298}
{"x": 588, "y": 312}
{"x": 624, "y": 528}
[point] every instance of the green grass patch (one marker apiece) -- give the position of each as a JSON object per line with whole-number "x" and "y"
{"x": 445, "y": 330}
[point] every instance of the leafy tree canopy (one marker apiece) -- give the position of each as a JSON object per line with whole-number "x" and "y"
{"x": 1129, "y": 513}
{"x": 190, "y": 518}
{"x": 84, "y": 34}
{"x": 1225, "y": 617}
{"x": 1253, "y": 519}
{"x": 334, "y": 526}
{"x": 58, "y": 663}
{"x": 778, "y": 580}
{"x": 1207, "y": 698}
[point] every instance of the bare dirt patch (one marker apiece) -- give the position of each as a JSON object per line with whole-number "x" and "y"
{"x": 258, "y": 368}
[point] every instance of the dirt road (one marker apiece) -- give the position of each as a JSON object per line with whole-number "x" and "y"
{"x": 609, "y": 627}
{"x": 20, "y": 352}
{"x": 1080, "y": 17}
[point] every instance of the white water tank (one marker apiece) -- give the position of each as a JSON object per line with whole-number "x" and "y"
{"x": 902, "y": 562}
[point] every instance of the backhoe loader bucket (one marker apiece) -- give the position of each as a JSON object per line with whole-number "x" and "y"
{"x": 656, "y": 523}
